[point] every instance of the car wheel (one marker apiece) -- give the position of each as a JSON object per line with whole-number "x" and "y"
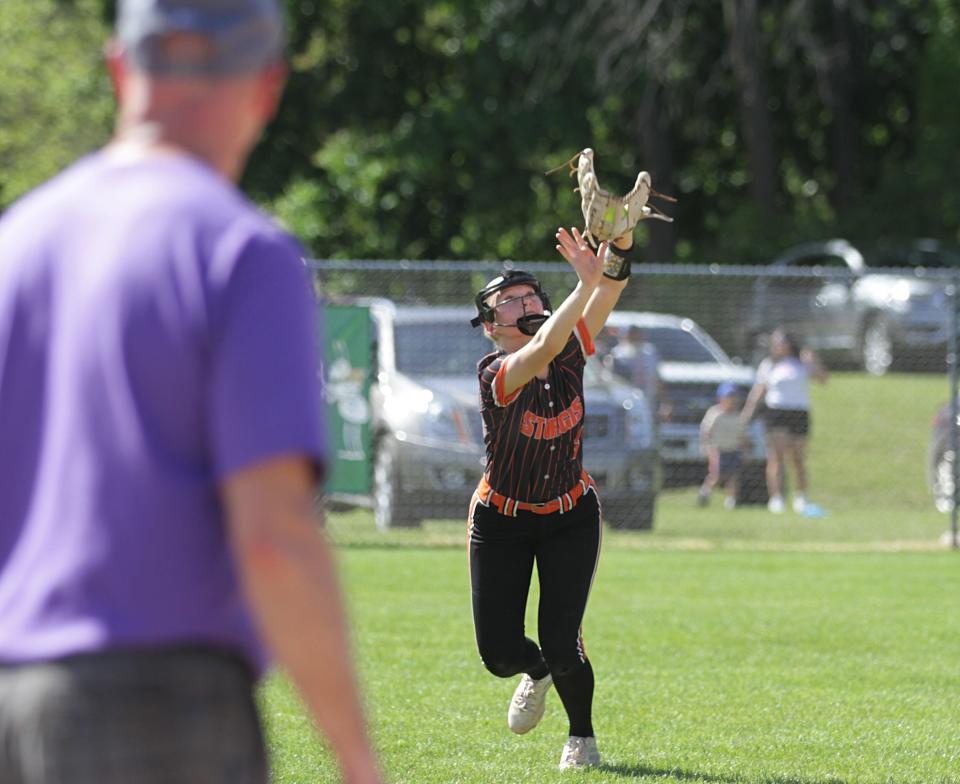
{"x": 636, "y": 513}
{"x": 390, "y": 508}
{"x": 752, "y": 488}
{"x": 876, "y": 347}
{"x": 942, "y": 488}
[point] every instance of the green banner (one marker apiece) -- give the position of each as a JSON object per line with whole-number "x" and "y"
{"x": 347, "y": 372}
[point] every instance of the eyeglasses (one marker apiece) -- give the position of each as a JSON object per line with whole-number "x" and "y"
{"x": 522, "y": 298}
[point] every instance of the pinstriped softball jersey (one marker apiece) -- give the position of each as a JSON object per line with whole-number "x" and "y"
{"x": 533, "y": 436}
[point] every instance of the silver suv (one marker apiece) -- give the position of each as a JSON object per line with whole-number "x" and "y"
{"x": 690, "y": 369}
{"x": 428, "y": 432}
{"x": 876, "y": 308}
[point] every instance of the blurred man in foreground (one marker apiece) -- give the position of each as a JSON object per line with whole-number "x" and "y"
{"x": 161, "y": 435}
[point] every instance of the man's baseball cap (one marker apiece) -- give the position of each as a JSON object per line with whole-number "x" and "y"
{"x": 236, "y": 36}
{"x": 726, "y": 389}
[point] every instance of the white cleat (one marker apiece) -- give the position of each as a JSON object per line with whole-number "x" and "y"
{"x": 776, "y": 505}
{"x": 799, "y": 504}
{"x": 528, "y": 704}
{"x": 579, "y": 753}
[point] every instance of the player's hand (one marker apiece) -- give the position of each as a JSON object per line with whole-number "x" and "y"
{"x": 575, "y": 249}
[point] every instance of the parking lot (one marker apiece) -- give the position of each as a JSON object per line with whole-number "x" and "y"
{"x": 879, "y": 441}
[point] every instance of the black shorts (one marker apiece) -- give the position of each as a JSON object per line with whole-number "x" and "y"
{"x": 794, "y": 421}
{"x": 729, "y": 466}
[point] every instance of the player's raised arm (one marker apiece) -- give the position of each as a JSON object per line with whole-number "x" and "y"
{"x": 533, "y": 358}
{"x": 616, "y": 273}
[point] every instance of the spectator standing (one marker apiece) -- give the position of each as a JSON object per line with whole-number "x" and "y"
{"x": 783, "y": 386}
{"x": 637, "y": 360}
{"x": 161, "y": 434}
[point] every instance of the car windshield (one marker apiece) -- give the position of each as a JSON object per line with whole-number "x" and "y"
{"x": 678, "y": 345}
{"x": 439, "y": 348}
{"x": 930, "y": 256}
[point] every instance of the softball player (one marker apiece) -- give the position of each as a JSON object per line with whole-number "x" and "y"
{"x": 535, "y": 503}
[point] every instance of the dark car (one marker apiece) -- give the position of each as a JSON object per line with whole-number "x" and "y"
{"x": 428, "y": 432}
{"x": 877, "y": 309}
{"x": 690, "y": 368}
{"x": 940, "y": 459}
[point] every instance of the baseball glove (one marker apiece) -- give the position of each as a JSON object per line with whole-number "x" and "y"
{"x": 606, "y": 216}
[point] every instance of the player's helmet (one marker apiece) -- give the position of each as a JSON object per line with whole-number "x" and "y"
{"x": 527, "y": 324}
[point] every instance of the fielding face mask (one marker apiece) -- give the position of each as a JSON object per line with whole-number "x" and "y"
{"x": 528, "y": 323}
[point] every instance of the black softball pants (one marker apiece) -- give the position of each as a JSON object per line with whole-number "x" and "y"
{"x": 565, "y": 548}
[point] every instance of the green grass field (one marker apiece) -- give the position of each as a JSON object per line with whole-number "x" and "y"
{"x": 728, "y": 646}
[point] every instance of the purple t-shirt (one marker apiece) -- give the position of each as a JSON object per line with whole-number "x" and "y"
{"x": 157, "y": 333}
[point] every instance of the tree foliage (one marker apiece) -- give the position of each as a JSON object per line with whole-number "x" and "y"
{"x": 422, "y": 128}
{"x": 55, "y": 102}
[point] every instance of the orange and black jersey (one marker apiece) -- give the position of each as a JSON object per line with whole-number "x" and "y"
{"x": 533, "y": 436}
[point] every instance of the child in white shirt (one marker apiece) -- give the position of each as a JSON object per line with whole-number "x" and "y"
{"x": 722, "y": 440}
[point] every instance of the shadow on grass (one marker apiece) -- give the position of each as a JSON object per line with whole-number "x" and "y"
{"x": 675, "y": 774}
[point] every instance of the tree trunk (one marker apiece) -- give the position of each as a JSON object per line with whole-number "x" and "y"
{"x": 841, "y": 80}
{"x": 656, "y": 142}
{"x": 745, "y": 54}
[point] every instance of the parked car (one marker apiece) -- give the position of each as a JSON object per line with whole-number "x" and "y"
{"x": 874, "y": 308}
{"x": 428, "y": 432}
{"x": 691, "y": 367}
{"x": 941, "y": 458}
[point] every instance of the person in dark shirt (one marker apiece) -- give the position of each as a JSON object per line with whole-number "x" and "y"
{"x": 535, "y": 503}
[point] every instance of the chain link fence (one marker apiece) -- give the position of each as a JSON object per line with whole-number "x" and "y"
{"x": 664, "y": 432}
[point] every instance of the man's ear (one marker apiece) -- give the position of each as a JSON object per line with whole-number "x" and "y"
{"x": 116, "y": 67}
{"x": 273, "y": 81}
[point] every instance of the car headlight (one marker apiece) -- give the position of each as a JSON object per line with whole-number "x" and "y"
{"x": 440, "y": 423}
{"x": 639, "y": 424}
{"x": 421, "y": 414}
{"x": 900, "y": 291}
{"x": 898, "y": 297}
{"x": 415, "y": 404}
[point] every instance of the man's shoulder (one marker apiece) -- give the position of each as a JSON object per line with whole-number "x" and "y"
{"x": 190, "y": 186}
{"x": 40, "y": 201}
{"x": 167, "y": 187}
{"x": 188, "y": 196}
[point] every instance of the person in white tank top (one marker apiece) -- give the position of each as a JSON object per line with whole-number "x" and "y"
{"x": 783, "y": 386}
